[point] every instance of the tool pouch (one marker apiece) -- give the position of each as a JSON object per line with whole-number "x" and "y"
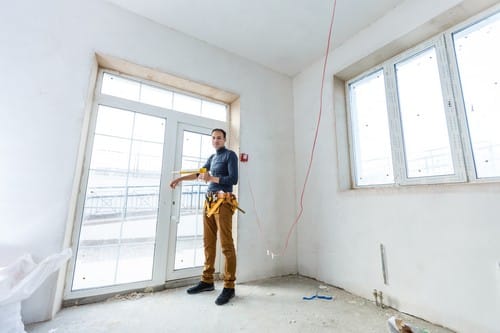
{"x": 213, "y": 203}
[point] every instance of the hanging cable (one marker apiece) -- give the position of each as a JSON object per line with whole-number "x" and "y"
{"x": 311, "y": 157}
{"x": 301, "y": 202}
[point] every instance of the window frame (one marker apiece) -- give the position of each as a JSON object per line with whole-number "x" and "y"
{"x": 459, "y": 99}
{"x": 454, "y": 108}
{"x": 350, "y": 122}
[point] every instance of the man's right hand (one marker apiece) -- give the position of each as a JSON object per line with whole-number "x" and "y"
{"x": 174, "y": 183}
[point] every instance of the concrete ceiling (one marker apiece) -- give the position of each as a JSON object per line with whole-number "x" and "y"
{"x": 283, "y": 35}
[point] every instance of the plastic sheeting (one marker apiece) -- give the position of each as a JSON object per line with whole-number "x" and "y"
{"x": 18, "y": 281}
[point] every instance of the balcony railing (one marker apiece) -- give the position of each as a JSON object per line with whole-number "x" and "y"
{"x": 117, "y": 202}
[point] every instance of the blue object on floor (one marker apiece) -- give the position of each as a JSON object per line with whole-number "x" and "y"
{"x": 317, "y": 296}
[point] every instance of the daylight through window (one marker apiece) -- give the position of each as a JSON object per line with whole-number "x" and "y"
{"x": 431, "y": 114}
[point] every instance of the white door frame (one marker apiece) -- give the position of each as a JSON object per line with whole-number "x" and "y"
{"x": 171, "y": 272}
{"x": 163, "y": 262}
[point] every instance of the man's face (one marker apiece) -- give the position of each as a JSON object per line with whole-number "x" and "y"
{"x": 218, "y": 139}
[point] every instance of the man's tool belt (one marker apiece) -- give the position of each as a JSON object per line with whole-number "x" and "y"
{"x": 215, "y": 199}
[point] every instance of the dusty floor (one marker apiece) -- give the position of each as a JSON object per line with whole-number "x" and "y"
{"x": 273, "y": 305}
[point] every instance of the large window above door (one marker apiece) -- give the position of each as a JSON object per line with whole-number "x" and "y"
{"x": 135, "y": 90}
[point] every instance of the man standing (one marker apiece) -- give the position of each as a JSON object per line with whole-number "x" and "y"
{"x": 220, "y": 205}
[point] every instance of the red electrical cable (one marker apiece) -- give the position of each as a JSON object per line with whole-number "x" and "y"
{"x": 312, "y": 150}
{"x": 316, "y": 132}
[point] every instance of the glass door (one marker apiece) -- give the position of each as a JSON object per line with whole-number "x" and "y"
{"x": 131, "y": 230}
{"x": 186, "y": 243}
{"x": 119, "y": 212}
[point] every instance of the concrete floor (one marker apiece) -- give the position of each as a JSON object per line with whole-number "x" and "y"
{"x": 272, "y": 305}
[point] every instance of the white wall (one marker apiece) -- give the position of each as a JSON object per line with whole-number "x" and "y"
{"x": 47, "y": 55}
{"x": 441, "y": 241}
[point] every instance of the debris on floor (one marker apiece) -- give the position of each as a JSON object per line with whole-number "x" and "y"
{"x": 397, "y": 325}
{"x": 130, "y": 296}
{"x": 270, "y": 305}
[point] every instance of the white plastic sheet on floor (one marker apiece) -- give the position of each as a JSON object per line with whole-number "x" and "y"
{"x": 18, "y": 281}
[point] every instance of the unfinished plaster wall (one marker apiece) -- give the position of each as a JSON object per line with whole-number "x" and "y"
{"x": 46, "y": 64}
{"x": 441, "y": 241}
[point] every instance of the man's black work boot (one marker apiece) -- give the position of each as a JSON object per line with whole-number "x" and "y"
{"x": 201, "y": 286}
{"x": 225, "y": 296}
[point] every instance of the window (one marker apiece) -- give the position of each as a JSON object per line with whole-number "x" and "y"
{"x": 423, "y": 116}
{"x": 477, "y": 50}
{"x": 431, "y": 114}
{"x": 372, "y": 145}
{"x": 133, "y": 90}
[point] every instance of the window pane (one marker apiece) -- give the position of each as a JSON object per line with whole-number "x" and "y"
{"x": 370, "y": 127}
{"x": 206, "y": 146}
{"x": 120, "y": 212}
{"x": 140, "y": 92}
{"x": 156, "y": 96}
{"x": 109, "y": 153}
{"x": 148, "y": 128}
{"x": 145, "y": 163}
{"x": 196, "y": 149}
{"x": 114, "y": 122}
{"x": 213, "y": 110}
{"x": 478, "y": 52}
{"x": 425, "y": 131}
{"x": 120, "y": 87}
{"x": 189, "y": 241}
{"x": 187, "y": 104}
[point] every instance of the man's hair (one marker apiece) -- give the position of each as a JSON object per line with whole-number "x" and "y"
{"x": 219, "y": 130}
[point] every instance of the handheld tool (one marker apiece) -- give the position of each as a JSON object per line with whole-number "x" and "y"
{"x": 200, "y": 170}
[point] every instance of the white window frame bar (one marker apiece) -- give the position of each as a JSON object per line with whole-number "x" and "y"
{"x": 459, "y": 99}
{"x": 450, "y": 113}
{"x": 351, "y": 136}
{"x": 171, "y": 272}
{"x": 395, "y": 126}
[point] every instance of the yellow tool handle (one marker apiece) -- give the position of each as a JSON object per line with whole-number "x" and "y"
{"x": 201, "y": 170}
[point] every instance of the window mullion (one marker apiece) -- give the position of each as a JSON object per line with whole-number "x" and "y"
{"x": 396, "y": 131}
{"x": 460, "y": 109}
{"x": 451, "y": 112}
{"x": 350, "y": 123}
